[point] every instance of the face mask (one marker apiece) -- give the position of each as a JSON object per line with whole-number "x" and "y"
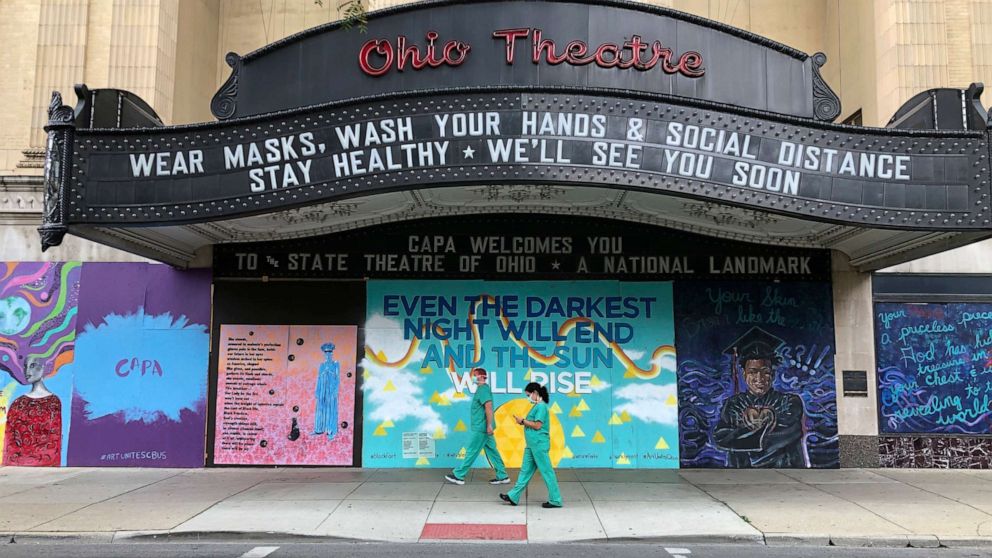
{"x": 534, "y": 401}
{"x": 479, "y": 380}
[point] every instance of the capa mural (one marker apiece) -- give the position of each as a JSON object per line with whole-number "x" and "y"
{"x": 603, "y": 349}
{"x": 141, "y": 367}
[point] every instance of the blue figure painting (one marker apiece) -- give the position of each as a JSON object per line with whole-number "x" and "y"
{"x": 328, "y": 380}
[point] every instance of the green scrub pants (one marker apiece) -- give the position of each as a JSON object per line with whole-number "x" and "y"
{"x": 538, "y": 460}
{"x": 478, "y": 442}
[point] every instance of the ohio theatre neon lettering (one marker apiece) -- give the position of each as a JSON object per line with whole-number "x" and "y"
{"x": 377, "y": 57}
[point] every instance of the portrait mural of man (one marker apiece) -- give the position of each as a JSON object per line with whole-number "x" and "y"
{"x": 761, "y": 426}
{"x": 756, "y": 374}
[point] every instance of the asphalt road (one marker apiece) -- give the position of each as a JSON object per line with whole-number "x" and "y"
{"x": 260, "y": 549}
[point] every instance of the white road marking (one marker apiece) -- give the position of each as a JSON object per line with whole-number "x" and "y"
{"x": 259, "y": 552}
{"x": 678, "y": 552}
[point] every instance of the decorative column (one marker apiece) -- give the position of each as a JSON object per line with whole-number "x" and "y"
{"x": 61, "y": 130}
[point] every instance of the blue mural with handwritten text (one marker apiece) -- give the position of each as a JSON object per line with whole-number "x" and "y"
{"x": 934, "y": 367}
{"x": 728, "y": 420}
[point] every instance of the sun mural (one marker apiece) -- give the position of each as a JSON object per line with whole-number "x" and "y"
{"x": 510, "y": 435}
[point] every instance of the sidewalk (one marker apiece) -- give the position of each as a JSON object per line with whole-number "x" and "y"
{"x": 882, "y": 507}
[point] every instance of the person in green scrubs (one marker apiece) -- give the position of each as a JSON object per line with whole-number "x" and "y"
{"x": 537, "y": 434}
{"x": 482, "y": 438}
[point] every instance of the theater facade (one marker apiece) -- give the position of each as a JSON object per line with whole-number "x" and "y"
{"x": 653, "y": 214}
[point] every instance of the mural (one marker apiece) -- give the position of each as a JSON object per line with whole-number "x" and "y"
{"x": 756, "y": 374}
{"x": 604, "y": 349}
{"x": 934, "y": 367}
{"x": 38, "y": 304}
{"x": 286, "y": 395}
{"x": 141, "y": 367}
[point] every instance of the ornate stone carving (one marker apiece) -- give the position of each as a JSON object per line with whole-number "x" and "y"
{"x": 225, "y": 101}
{"x": 728, "y": 216}
{"x": 520, "y": 194}
{"x": 58, "y": 157}
{"x": 314, "y": 215}
{"x": 826, "y": 103}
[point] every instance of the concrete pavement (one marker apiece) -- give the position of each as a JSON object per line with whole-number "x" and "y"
{"x": 856, "y": 507}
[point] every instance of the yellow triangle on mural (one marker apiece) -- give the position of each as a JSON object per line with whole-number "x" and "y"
{"x": 527, "y": 375}
{"x": 577, "y": 432}
{"x": 381, "y": 356}
{"x": 458, "y": 395}
{"x": 615, "y": 420}
{"x": 443, "y": 401}
{"x": 567, "y": 453}
{"x": 390, "y": 386}
{"x": 662, "y": 444}
{"x": 629, "y": 373}
{"x": 461, "y": 453}
{"x": 555, "y": 409}
{"x": 575, "y": 412}
{"x": 572, "y": 393}
{"x": 595, "y": 381}
{"x": 623, "y": 460}
{"x": 460, "y": 427}
{"x": 388, "y": 424}
{"x": 426, "y": 370}
{"x": 672, "y": 401}
{"x": 598, "y": 438}
{"x": 435, "y": 398}
{"x": 380, "y": 431}
{"x": 625, "y": 416}
{"x": 422, "y": 462}
{"x": 582, "y": 405}
{"x": 366, "y": 374}
{"x": 439, "y": 433}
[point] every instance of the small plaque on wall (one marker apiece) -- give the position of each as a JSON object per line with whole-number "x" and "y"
{"x": 855, "y": 383}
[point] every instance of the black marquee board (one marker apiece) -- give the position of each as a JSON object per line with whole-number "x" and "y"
{"x": 515, "y": 247}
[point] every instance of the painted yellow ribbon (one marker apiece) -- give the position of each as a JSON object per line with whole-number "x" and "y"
{"x": 644, "y": 373}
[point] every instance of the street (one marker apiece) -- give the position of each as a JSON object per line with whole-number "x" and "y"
{"x": 262, "y": 549}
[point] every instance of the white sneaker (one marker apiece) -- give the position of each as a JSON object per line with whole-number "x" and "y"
{"x": 500, "y": 481}
{"x": 454, "y": 480}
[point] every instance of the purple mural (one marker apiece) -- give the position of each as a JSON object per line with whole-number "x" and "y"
{"x": 37, "y": 333}
{"x": 140, "y": 376}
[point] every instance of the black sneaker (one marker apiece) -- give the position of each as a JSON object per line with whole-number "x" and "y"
{"x": 500, "y": 481}
{"x": 506, "y": 499}
{"x": 549, "y": 505}
{"x": 454, "y": 480}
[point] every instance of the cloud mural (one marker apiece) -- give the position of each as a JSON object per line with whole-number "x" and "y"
{"x": 395, "y": 393}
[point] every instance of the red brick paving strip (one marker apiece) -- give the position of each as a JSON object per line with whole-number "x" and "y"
{"x": 474, "y": 531}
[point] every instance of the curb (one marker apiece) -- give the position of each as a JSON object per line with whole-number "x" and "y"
{"x": 769, "y": 539}
{"x": 969, "y": 542}
{"x": 889, "y": 541}
{"x": 228, "y": 537}
{"x": 61, "y": 537}
{"x": 796, "y": 539}
{"x": 755, "y": 538}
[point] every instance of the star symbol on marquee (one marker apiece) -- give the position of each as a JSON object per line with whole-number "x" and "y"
{"x": 555, "y": 264}
{"x": 468, "y": 152}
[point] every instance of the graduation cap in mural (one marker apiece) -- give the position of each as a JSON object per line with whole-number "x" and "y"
{"x": 754, "y": 344}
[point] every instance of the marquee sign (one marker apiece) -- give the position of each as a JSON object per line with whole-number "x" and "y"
{"x": 579, "y": 45}
{"x": 506, "y": 128}
{"x": 519, "y": 248}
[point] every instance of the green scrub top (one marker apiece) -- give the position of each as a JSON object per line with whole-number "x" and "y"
{"x": 539, "y": 439}
{"x": 483, "y": 394}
